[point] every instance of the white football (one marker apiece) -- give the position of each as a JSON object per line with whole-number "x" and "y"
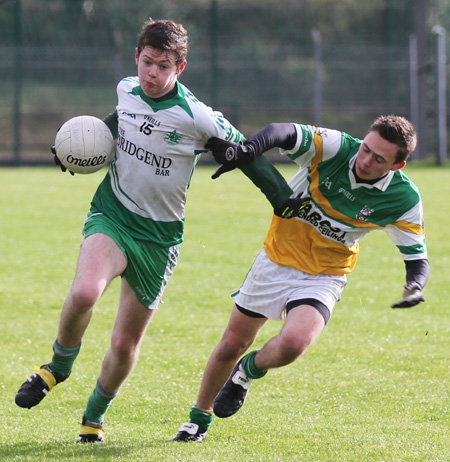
{"x": 84, "y": 144}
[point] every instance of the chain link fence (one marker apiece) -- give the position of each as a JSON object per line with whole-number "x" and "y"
{"x": 343, "y": 86}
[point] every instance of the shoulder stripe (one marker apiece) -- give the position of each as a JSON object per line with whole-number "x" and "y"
{"x": 318, "y": 143}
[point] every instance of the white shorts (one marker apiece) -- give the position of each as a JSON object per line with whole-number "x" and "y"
{"x": 269, "y": 288}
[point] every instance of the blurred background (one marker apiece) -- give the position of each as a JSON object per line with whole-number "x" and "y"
{"x": 333, "y": 63}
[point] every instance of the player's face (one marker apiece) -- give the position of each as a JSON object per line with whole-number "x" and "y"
{"x": 157, "y": 71}
{"x": 376, "y": 157}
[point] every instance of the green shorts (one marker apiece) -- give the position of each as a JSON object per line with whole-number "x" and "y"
{"x": 149, "y": 266}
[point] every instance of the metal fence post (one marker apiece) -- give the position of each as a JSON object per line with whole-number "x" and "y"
{"x": 413, "y": 83}
{"x": 441, "y": 101}
{"x": 420, "y": 15}
{"x": 317, "y": 39}
{"x": 214, "y": 28}
{"x": 18, "y": 76}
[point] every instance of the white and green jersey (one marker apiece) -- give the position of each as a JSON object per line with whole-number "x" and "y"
{"x": 158, "y": 145}
{"x": 325, "y": 237}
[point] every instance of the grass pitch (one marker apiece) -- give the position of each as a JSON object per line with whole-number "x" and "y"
{"x": 373, "y": 388}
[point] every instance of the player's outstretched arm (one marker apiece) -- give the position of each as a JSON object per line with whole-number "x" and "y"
{"x": 248, "y": 157}
{"x": 232, "y": 155}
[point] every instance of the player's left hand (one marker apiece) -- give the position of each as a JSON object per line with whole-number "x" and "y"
{"x": 229, "y": 153}
{"x": 292, "y": 207}
{"x": 412, "y": 295}
{"x": 58, "y": 162}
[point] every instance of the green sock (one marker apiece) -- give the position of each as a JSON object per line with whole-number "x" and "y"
{"x": 63, "y": 358}
{"x": 98, "y": 404}
{"x": 202, "y": 417}
{"x": 248, "y": 364}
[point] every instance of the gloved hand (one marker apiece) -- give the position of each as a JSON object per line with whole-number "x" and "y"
{"x": 229, "y": 153}
{"x": 412, "y": 295}
{"x": 292, "y": 207}
{"x": 58, "y": 162}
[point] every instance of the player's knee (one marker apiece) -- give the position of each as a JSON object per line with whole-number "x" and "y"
{"x": 84, "y": 297}
{"x": 231, "y": 348}
{"x": 292, "y": 346}
{"x": 124, "y": 348}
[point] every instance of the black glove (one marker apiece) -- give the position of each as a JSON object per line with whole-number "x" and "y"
{"x": 229, "y": 153}
{"x": 292, "y": 207}
{"x": 412, "y": 295}
{"x": 58, "y": 162}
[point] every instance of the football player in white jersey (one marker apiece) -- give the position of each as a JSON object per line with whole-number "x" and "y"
{"x": 349, "y": 187}
{"x": 136, "y": 221}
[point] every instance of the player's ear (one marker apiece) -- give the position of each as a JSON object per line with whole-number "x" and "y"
{"x": 136, "y": 55}
{"x": 399, "y": 165}
{"x": 182, "y": 67}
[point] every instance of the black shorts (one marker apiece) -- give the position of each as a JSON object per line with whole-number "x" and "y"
{"x": 318, "y": 305}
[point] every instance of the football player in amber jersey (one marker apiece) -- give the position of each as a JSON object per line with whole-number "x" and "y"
{"x": 349, "y": 187}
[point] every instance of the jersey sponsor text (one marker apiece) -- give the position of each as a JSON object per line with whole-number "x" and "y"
{"x": 143, "y": 155}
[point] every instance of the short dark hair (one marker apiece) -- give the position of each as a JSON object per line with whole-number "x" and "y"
{"x": 399, "y": 131}
{"x": 164, "y": 35}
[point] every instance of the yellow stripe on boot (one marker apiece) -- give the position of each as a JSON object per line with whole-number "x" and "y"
{"x": 91, "y": 434}
{"x": 46, "y": 376}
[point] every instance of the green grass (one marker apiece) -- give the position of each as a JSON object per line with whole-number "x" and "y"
{"x": 375, "y": 387}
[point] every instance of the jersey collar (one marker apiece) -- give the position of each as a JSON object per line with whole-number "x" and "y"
{"x": 179, "y": 99}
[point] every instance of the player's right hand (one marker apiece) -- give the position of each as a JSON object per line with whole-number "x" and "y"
{"x": 58, "y": 162}
{"x": 292, "y": 207}
{"x": 229, "y": 153}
